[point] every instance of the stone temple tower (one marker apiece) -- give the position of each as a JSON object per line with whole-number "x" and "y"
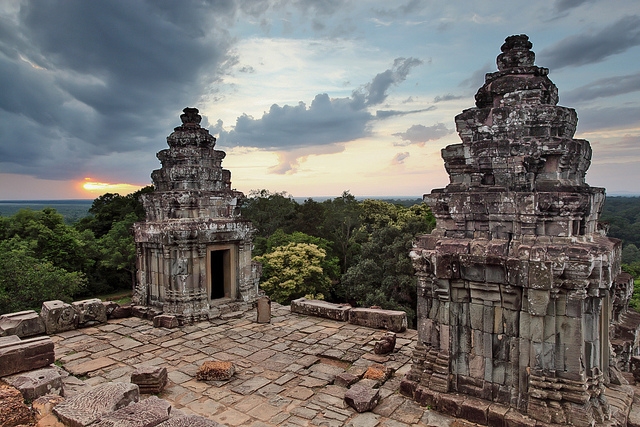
{"x": 194, "y": 250}
{"x": 515, "y": 284}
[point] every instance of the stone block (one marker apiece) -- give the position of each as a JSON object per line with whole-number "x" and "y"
{"x": 25, "y": 355}
{"x": 146, "y": 413}
{"x": 320, "y": 308}
{"x": 33, "y": 384}
{"x": 58, "y": 316}
{"x": 345, "y": 379}
{"x": 150, "y": 379}
{"x": 538, "y": 301}
{"x": 496, "y": 414}
{"x": 361, "y": 398}
{"x": 23, "y": 324}
{"x": 215, "y": 371}
{"x": 90, "y": 312}
{"x": 392, "y": 320}
{"x": 121, "y": 312}
{"x": 451, "y": 404}
{"x": 427, "y": 397}
{"x": 263, "y": 309}
{"x": 168, "y": 321}
{"x": 88, "y": 407}
{"x": 475, "y": 410}
{"x": 513, "y": 418}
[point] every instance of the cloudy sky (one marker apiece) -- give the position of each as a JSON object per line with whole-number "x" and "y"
{"x": 312, "y": 97}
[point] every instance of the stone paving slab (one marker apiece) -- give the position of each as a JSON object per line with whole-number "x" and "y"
{"x": 284, "y": 369}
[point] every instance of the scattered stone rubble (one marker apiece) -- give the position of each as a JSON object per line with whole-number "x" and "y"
{"x": 194, "y": 250}
{"x": 517, "y": 284}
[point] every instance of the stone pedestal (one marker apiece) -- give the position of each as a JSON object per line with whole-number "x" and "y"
{"x": 515, "y": 282}
{"x": 263, "y": 309}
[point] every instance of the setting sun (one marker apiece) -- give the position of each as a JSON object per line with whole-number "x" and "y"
{"x": 94, "y": 187}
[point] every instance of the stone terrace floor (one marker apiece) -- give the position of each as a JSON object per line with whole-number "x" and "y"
{"x": 284, "y": 370}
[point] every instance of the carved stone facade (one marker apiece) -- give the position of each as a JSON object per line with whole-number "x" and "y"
{"x": 194, "y": 250}
{"x": 516, "y": 285}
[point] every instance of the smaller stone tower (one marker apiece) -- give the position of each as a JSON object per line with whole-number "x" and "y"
{"x": 516, "y": 282}
{"x": 194, "y": 250}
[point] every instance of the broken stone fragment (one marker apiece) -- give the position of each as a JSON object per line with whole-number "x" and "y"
{"x": 215, "y": 371}
{"x": 88, "y": 407}
{"x": 386, "y": 345}
{"x": 148, "y": 412}
{"x": 58, "y": 316}
{"x": 362, "y": 398}
{"x": 168, "y": 321}
{"x": 90, "y": 312}
{"x": 23, "y": 324}
{"x": 378, "y": 372}
{"x": 34, "y": 384}
{"x": 150, "y": 379}
{"x": 345, "y": 379}
{"x": 43, "y": 409}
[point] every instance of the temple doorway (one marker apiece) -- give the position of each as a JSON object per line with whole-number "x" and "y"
{"x": 220, "y": 274}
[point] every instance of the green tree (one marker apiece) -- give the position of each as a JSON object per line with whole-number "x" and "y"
{"x": 269, "y": 211}
{"x": 26, "y": 281}
{"x": 330, "y": 265}
{"x": 341, "y": 225}
{"x": 630, "y": 254}
{"x": 111, "y": 208}
{"x": 118, "y": 252}
{"x": 293, "y": 271}
{"x": 383, "y": 274}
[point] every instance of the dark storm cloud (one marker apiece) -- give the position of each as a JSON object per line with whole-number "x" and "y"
{"x": 602, "y": 88}
{"x": 564, "y": 5}
{"x": 593, "y": 119}
{"x": 477, "y": 77}
{"x": 447, "y": 97}
{"x": 82, "y": 79}
{"x": 325, "y": 121}
{"x": 593, "y": 46}
{"x": 419, "y": 134}
{"x": 383, "y": 114}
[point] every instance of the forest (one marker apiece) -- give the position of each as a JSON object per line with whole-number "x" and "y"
{"x": 340, "y": 250}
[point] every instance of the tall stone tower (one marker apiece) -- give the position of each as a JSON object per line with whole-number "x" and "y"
{"x": 515, "y": 283}
{"x": 194, "y": 250}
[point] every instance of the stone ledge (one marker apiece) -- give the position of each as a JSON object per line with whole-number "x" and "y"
{"x": 320, "y": 308}
{"x": 395, "y": 321}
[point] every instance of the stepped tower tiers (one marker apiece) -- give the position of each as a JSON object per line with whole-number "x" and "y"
{"x": 194, "y": 250}
{"x": 516, "y": 282}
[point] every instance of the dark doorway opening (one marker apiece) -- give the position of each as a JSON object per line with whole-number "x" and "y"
{"x": 219, "y": 274}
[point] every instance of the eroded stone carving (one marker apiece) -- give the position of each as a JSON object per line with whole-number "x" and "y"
{"x": 194, "y": 250}
{"x": 516, "y": 281}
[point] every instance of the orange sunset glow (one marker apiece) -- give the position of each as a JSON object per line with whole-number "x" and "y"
{"x": 95, "y": 187}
